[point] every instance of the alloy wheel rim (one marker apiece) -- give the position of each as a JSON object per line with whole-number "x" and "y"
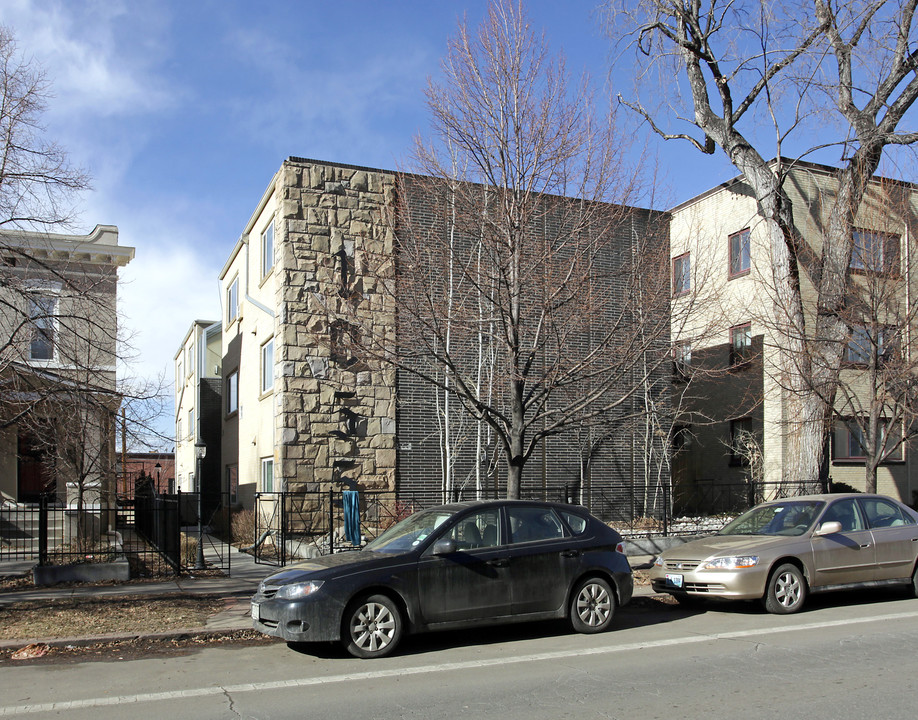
{"x": 372, "y": 627}
{"x": 594, "y": 605}
{"x": 787, "y": 590}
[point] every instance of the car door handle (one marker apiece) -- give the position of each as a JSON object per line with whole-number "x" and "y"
{"x": 571, "y": 553}
{"x": 865, "y": 546}
{"x": 498, "y": 562}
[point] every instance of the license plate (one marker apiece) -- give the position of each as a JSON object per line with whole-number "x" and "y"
{"x": 673, "y": 580}
{"x": 255, "y": 613}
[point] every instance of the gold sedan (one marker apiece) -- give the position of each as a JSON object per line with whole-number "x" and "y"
{"x": 782, "y": 550}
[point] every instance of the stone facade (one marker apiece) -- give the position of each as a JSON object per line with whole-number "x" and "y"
{"x": 335, "y": 416}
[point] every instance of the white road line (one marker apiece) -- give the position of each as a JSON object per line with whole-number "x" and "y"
{"x": 443, "y": 667}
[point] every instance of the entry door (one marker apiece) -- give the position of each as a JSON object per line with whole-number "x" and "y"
{"x": 471, "y": 583}
{"x": 34, "y": 478}
{"x": 848, "y": 556}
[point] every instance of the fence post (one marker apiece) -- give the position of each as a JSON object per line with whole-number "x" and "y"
{"x": 43, "y": 530}
{"x": 331, "y": 521}
{"x": 283, "y": 528}
{"x": 665, "y": 509}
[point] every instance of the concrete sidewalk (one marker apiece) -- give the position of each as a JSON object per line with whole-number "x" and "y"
{"x": 235, "y": 590}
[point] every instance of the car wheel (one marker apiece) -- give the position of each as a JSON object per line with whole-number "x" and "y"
{"x": 786, "y": 590}
{"x": 913, "y": 588}
{"x": 372, "y": 627}
{"x": 592, "y": 606}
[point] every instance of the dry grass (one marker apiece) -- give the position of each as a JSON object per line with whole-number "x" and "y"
{"x": 80, "y": 617}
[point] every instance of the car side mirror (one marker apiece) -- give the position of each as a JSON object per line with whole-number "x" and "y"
{"x": 829, "y": 528}
{"x": 444, "y": 546}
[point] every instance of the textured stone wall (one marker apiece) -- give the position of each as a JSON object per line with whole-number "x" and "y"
{"x": 335, "y": 413}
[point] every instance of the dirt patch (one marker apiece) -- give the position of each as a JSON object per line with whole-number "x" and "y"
{"x": 81, "y": 616}
{"x": 132, "y": 648}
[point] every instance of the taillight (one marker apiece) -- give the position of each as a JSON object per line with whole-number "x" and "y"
{"x": 620, "y": 548}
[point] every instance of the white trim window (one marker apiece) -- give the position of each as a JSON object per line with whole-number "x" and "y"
{"x": 267, "y": 249}
{"x": 267, "y": 366}
{"x": 191, "y": 426}
{"x": 42, "y": 314}
{"x": 232, "y": 393}
{"x": 267, "y": 475}
{"x": 232, "y": 301}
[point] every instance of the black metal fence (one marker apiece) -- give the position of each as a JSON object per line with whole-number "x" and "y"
{"x": 295, "y": 525}
{"x": 156, "y": 534}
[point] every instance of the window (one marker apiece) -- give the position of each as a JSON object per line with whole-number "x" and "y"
{"x": 179, "y": 374}
{"x": 232, "y": 301}
{"x": 178, "y": 430}
{"x": 477, "y": 531}
{"x": 232, "y": 392}
{"x": 191, "y": 426}
{"x": 739, "y": 253}
{"x": 189, "y": 359}
{"x": 862, "y": 342}
{"x": 850, "y": 443}
{"x": 232, "y": 482}
{"x": 42, "y": 310}
{"x": 740, "y": 344}
{"x": 682, "y": 274}
{"x": 267, "y": 366}
{"x": 681, "y": 439}
{"x": 847, "y": 513}
{"x": 267, "y": 249}
{"x": 267, "y": 475}
{"x": 742, "y": 441}
{"x": 528, "y": 524}
{"x": 883, "y": 513}
{"x": 874, "y": 252}
{"x": 682, "y": 359}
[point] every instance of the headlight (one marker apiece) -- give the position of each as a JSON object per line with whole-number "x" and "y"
{"x": 737, "y": 562}
{"x": 295, "y": 591}
{"x": 658, "y": 561}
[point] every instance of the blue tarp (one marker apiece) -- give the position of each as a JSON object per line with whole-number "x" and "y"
{"x": 351, "y": 504}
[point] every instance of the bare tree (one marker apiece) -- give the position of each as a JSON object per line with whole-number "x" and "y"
{"x": 795, "y": 66}
{"x": 524, "y": 289}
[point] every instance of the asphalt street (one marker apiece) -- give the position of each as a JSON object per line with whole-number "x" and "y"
{"x": 845, "y": 656}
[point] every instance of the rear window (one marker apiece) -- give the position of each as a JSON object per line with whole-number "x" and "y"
{"x": 576, "y": 523}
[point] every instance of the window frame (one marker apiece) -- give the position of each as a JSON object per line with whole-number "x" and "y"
{"x": 43, "y": 313}
{"x": 682, "y": 358}
{"x": 738, "y": 425}
{"x": 267, "y": 250}
{"x": 747, "y": 268}
{"x": 231, "y": 406}
{"x": 890, "y": 257}
{"x": 265, "y": 463}
{"x": 266, "y": 376}
{"x": 740, "y": 354}
{"x": 232, "y": 301}
{"x": 682, "y": 280}
{"x": 848, "y": 431}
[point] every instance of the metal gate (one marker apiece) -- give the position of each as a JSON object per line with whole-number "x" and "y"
{"x": 291, "y": 526}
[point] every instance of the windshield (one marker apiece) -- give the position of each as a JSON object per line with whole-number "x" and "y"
{"x": 409, "y": 533}
{"x": 793, "y": 517}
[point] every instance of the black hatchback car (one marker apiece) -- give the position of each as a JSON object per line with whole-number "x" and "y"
{"x": 458, "y": 565}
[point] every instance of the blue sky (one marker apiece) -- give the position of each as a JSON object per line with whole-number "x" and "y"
{"x": 182, "y": 112}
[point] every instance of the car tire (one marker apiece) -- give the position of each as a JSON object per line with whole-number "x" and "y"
{"x": 592, "y": 606}
{"x": 913, "y": 588}
{"x": 372, "y": 627}
{"x": 786, "y": 590}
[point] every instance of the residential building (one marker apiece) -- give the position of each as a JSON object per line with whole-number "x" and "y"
{"x": 297, "y": 412}
{"x": 198, "y": 387}
{"x": 733, "y": 419}
{"x": 58, "y": 396}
